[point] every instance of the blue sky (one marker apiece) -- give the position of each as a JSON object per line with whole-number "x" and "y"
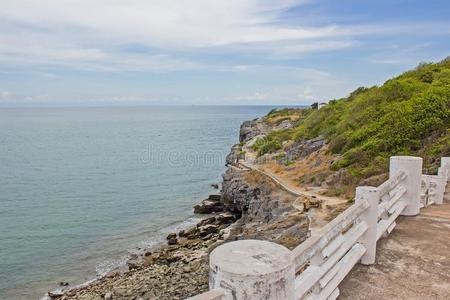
{"x": 128, "y": 52}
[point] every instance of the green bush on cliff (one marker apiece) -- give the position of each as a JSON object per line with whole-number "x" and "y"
{"x": 266, "y": 145}
{"x": 407, "y": 115}
{"x": 273, "y": 141}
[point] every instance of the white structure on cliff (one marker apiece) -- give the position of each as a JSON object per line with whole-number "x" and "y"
{"x": 322, "y": 104}
{"x": 254, "y": 270}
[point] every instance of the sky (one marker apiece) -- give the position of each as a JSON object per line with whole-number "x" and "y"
{"x": 210, "y": 52}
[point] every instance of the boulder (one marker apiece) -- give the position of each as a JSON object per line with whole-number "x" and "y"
{"x": 207, "y": 221}
{"x": 208, "y": 229}
{"x": 302, "y": 149}
{"x": 133, "y": 264}
{"x": 210, "y": 205}
{"x": 285, "y": 124}
{"x": 171, "y": 236}
{"x": 190, "y": 233}
{"x": 226, "y": 218}
{"x": 172, "y": 241}
{"x": 311, "y": 203}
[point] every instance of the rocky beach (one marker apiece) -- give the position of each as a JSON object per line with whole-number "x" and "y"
{"x": 248, "y": 206}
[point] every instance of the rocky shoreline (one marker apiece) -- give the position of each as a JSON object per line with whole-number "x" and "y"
{"x": 174, "y": 271}
{"x": 249, "y": 206}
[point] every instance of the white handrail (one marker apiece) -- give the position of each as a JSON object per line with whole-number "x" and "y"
{"x": 316, "y": 243}
{"x": 390, "y": 184}
{"x": 324, "y": 259}
{"x": 306, "y": 280}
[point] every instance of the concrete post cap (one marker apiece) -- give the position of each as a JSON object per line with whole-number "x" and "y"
{"x": 251, "y": 257}
{"x": 406, "y": 157}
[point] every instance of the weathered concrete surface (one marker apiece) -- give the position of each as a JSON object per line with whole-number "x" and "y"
{"x": 252, "y": 270}
{"x": 412, "y": 263}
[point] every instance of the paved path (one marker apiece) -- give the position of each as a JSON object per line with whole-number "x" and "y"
{"x": 413, "y": 263}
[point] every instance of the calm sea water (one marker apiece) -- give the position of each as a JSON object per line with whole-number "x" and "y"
{"x": 80, "y": 186}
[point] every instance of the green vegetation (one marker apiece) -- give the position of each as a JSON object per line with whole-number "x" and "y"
{"x": 276, "y": 116}
{"x": 266, "y": 145}
{"x": 284, "y": 112}
{"x": 274, "y": 140}
{"x": 242, "y": 154}
{"x": 407, "y": 115}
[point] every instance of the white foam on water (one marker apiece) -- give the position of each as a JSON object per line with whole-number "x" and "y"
{"x": 120, "y": 263}
{"x": 157, "y": 239}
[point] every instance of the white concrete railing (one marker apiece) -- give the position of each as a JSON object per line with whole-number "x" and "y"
{"x": 251, "y": 269}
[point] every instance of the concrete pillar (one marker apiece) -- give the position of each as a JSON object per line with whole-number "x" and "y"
{"x": 412, "y": 166}
{"x": 425, "y": 190}
{"x": 444, "y": 170}
{"x": 439, "y": 189}
{"x": 370, "y": 217}
{"x": 252, "y": 270}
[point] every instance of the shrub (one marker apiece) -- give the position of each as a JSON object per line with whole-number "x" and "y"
{"x": 374, "y": 123}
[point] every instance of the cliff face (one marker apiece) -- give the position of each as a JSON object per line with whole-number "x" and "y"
{"x": 266, "y": 211}
{"x": 250, "y": 129}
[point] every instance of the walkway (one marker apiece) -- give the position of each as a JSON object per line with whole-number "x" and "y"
{"x": 413, "y": 263}
{"x": 318, "y": 217}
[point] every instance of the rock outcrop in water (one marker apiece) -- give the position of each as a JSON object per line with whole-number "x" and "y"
{"x": 210, "y": 205}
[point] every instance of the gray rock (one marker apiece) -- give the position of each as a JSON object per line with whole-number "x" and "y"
{"x": 250, "y": 129}
{"x": 173, "y": 241}
{"x": 302, "y": 149}
{"x": 234, "y": 155}
{"x": 208, "y": 229}
{"x": 285, "y": 124}
{"x": 265, "y": 210}
{"x": 171, "y": 236}
{"x": 210, "y": 205}
{"x": 226, "y": 218}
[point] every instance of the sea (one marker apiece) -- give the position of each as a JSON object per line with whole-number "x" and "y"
{"x": 83, "y": 187}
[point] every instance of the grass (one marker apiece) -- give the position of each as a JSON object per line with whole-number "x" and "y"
{"x": 407, "y": 115}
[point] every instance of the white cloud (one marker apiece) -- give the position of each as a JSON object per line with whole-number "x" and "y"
{"x": 89, "y": 35}
{"x": 162, "y": 23}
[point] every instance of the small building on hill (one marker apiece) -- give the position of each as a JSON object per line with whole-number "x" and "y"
{"x": 322, "y": 105}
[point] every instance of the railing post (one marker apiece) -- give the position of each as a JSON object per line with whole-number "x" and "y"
{"x": 444, "y": 170}
{"x": 412, "y": 166}
{"x": 370, "y": 217}
{"x": 439, "y": 189}
{"x": 252, "y": 270}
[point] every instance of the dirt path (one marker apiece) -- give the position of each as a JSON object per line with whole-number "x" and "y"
{"x": 412, "y": 263}
{"x": 318, "y": 217}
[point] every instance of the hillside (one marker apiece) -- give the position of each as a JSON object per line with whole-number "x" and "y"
{"x": 407, "y": 115}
